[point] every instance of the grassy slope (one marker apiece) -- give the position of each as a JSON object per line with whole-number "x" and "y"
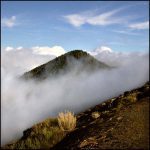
{"x": 123, "y": 123}
{"x": 43, "y": 135}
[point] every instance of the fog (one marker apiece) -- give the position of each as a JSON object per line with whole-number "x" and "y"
{"x": 25, "y": 103}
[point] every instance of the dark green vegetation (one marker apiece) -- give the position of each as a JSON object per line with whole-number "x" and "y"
{"x": 76, "y": 59}
{"x": 122, "y": 123}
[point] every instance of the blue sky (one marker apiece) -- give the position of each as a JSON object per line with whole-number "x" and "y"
{"x": 122, "y": 26}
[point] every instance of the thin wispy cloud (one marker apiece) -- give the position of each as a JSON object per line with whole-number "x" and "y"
{"x": 102, "y": 19}
{"x": 125, "y": 32}
{"x": 9, "y": 22}
{"x": 140, "y": 25}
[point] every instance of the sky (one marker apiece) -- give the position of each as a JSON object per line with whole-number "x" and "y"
{"x": 64, "y": 26}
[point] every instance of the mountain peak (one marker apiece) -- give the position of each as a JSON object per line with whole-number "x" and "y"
{"x": 77, "y": 52}
{"x": 73, "y": 59}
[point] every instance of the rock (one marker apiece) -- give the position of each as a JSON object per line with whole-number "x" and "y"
{"x": 90, "y": 140}
{"x": 96, "y": 115}
{"x": 119, "y": 118}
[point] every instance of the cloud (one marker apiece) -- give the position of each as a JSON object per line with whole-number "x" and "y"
{"x": 9, "y": 22}
{"x": 125, "y": 32}
{"x": 106, "y": 18}
{"x": 112, "y": 57}
{"x": 8, "y": 48}
{"x": 102, "y": 49}
{"x": 19, "y": 48}
{"x": 116, "y": 59}
{"x": 18, "y": 60}
{"x": 140, "y": 25}
{"x": 55, "y": 50}
{"x": 26, "y": 103}
{"x": 24, "y": 59}
{"x": 75, "y": 19}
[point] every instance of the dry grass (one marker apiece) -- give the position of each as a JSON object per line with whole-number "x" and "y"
{"x": 67, "y": 121}
{"x": 43, "y": 135}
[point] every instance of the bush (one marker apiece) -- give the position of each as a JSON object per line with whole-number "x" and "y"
{"x": 67, "y": 121}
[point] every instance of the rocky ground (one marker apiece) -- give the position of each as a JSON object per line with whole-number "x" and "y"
{"x": 122, "y": 123}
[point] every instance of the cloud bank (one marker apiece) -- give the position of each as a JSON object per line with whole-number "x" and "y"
{"x": 18, "y": 60}
{"x": 26, "y": 103}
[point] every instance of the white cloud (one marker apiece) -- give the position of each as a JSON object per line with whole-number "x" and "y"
{"x": 45, "y": 50}
{"x": 76, "y": 20}
{"x": 140, "y": 25}
{"x": 8, "y": 48}
{"x": 104, "y": 19}
{"x": 102, "y": 49}
{"x": 9, "y": 22}
{"x": 93, "y": 19}
{"x": 114, "y": 58}
{"x": 19, "y": 48}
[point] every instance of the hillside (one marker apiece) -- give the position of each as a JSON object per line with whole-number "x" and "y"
{"x": 77, "y": 59}
{"x": 123, "y": 123}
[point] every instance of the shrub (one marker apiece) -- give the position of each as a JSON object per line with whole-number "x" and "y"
{"x": 67, "y": 121}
